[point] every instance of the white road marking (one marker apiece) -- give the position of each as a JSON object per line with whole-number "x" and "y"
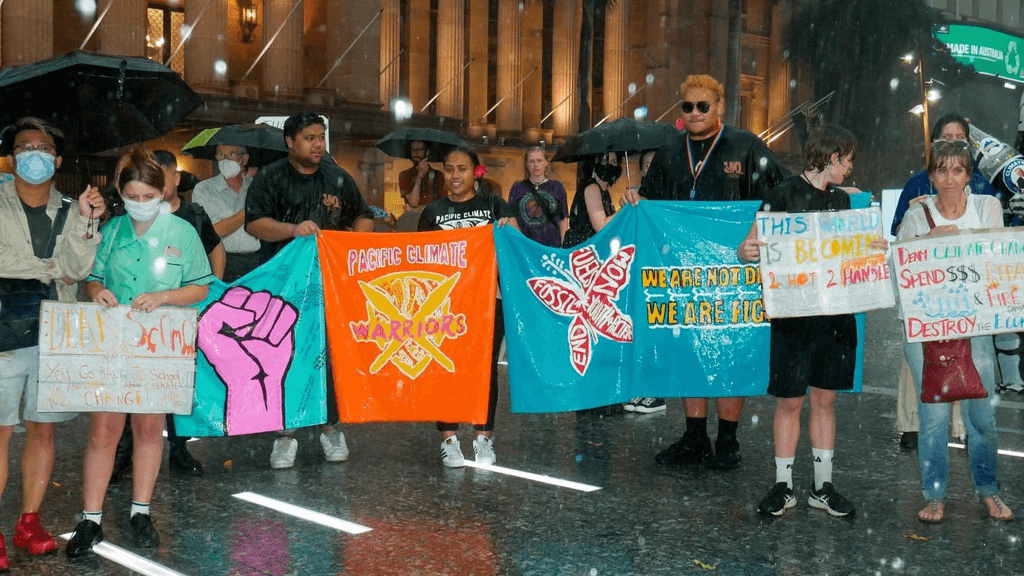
{"x": 304, "y": 513}
{"x": 535, "y": 477}
{"x": 129, "y": 560}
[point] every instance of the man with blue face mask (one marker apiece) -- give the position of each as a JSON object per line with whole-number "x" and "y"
{"x": 223, "y": 198}
{"x": 45, "y": 248}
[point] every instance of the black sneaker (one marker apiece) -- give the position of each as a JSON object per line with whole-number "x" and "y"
{"x": 830, "y": 501}
{"x": 778, "y": 499}
{"x": 144, "y": 531}
{"x": 908, "y": 440}
{"x": 87, "y": 534}
{"x": 727, "y": 454}
{"x": 181, "y": 461}
{"x": 688, "y": 450}
{"x": 649, "y": 405}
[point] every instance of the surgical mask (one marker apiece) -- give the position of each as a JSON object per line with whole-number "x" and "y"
{"x": 229, "y": 168}
{"x": 35, "y": 166}
{"x": 142, "y": 211}
{"x": 608, "y": 172}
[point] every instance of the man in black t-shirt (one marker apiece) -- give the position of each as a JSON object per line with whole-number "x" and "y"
{"x": 709, "y": 162}
{"x": 299, "y": 196}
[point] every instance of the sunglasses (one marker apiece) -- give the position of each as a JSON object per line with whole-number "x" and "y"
{"x": 949, "y": 144}
{"x": 702, "y": 106}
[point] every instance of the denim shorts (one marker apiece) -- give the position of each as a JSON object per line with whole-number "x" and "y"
{"x": 19, "y": 388}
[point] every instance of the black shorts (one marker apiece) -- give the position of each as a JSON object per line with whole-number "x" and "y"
{"x": 819, "y": 351}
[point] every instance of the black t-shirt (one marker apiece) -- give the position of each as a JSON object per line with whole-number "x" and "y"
{"x": 39, "y": 225}
{"x": 795, "y": 194}
{"x": 480, "y": 210}
{"x": 195, "y": 215}
{"x": 329, "y": 197}
{"x": 739, "y": 167}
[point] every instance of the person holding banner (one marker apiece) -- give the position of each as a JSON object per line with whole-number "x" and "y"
{"x": 148, "y": 259}
{"x": 953, "y": 209}
{"x": 810, "y": 356}
{"x": 709, "y": 162}
{"x": 464, "y": 207}
{"x": 46, "y": 247}
{"x": 538, "y": 202}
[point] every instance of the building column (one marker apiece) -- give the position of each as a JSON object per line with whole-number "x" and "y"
{"x": 510, "y": 112}
{"x": 27, "y": 31}
{"x": 357, "y": 77}
{"x": 123, "y": 30}
{"x": 565, "y": 55}
{"x": 477, "y": 28}
{"x": 419, "y": 32}
{"x": 207, "y": 44}
{"x": 451, "y": 40}
{"x": 282, "y": 65}
{"x": 390, "y": 47}
{"x": 616, "y": 46}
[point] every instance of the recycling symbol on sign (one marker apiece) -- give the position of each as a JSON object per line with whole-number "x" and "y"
{"x": 1012, "y": 58}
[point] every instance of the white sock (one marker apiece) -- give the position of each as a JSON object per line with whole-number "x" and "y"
{"x": 784, "y": 470}
{"x": 139, "y": 508}
{"x": 822, "y": 466}
{"x": 94, "y": 516}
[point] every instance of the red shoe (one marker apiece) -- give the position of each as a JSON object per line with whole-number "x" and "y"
{"x": 28, "y": 533}
{"x": 4, "y": 562}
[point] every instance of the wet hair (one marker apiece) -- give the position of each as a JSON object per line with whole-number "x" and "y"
{"x": 10, "y": 133}
{"x": 702, "y": 81}
{"x": 950, "y": 119}
{"x": 166, "y": 159}
{"x": 947, "y": 153}
{"x": 526, "y": 158}
{"x": 468, "y": 152}
{"x": 298, "y": 122}
{"x": 138, "y": 164}
{"x": 825, "y": 141}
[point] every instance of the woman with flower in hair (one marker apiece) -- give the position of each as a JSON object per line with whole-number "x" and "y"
{"x": 466, "y": 207}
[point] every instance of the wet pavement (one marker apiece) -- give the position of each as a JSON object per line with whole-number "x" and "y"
{"x": 645, "y": 519}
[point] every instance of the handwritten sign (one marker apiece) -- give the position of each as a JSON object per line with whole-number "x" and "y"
{"x": 961, "y": 285}
{"x": 702, "y": 296}
{"x": 820, "y": 263}
{"x": 98, "y": 359}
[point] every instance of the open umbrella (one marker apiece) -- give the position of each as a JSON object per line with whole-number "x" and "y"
{"x": 100, "y": 101}
{"x": 397, "y": 143}
{"x": 622, "y": 135}
{"x": 265, "y": 143}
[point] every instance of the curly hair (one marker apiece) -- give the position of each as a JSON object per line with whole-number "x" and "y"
{"x": 704, "y": 82}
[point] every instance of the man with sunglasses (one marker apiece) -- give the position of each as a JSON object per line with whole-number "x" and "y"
{"x": 708, "y": 162}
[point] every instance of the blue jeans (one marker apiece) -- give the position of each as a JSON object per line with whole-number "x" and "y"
{"x": 979, "y": 419}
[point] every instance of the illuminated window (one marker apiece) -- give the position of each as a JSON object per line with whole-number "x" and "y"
{"x": 163, "y": 35}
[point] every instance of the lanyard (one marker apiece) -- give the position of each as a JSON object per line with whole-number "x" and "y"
{"x": 696, "y": 170}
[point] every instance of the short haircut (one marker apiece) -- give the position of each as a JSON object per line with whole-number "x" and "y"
{"x": 298, "y": 122}
{"x": 946, "y": 154}
{"x": 949, "y": 119}
{"x": 825, "y": 141}
{"x": 468, "y": 152}
{"x": 702, "y": 81}
{"x": 10, "y": 134}
{"x": 427, "y": 146}
{"x": 139, "y": 164}
{"x": 166, "y": 159}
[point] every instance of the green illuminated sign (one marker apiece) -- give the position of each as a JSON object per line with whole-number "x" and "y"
{"x": 990, "y": 52}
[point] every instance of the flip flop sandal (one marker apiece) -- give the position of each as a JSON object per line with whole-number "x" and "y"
{"x": 934, "y": 510}
{"x": 999, "y": 506}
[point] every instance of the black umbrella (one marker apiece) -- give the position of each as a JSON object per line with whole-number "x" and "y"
{"x": 397, "y": 143}
{"x": 100, "y": 101}
{"x": 622, "y": 135}
{"x": 264, "y": 143}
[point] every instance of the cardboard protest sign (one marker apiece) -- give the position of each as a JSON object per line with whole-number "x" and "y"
{"x": 98, "y": 359}
{"x": 961, "y": 285}
{"x": 820, "y": 263}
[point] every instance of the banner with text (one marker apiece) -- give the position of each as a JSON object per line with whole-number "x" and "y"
{"x": 961, "y": 285}
{"x": 820, "y": 263}
{"x": 410, "y": 319}
{"x": 98, "y": 359}
{"x": 262, "y": 350}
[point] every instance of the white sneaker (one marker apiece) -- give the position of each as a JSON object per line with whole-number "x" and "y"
{"x": 283, "y": 454}
{"x": 483, "y": 448}
{"x": 451, "y": 453}
{"x": 335, "y": 449}
{"x": 632, "y": 404}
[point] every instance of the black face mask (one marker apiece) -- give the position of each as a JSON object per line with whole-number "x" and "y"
{"x": 608, "y": 172}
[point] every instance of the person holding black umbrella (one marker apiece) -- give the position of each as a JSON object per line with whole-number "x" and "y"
{"x": 592, "y": 206}
{"x": 420, "y": 184}
{"x": 709, "y": 162}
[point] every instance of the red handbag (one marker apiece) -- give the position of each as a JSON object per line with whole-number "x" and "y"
{"x": 949, "y": 372}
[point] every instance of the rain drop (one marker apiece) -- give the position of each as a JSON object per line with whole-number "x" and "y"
{"x": 579, "y": 458}
{"x": 641, "y": 541}
{"x": 631, "y": 88}
{"x": 186, "y": 30}
{"x": 159, "y": 265}
{"x": 614, "y": 245}
{"x": 348, "y": 125}
{"x": 86, "y": 8}
{"x": 593, "y": 572}
{"x": 894, "y": 83}
{"x": 792, "y": 83}
{"x": 650, "y": 78}
{"x": 753, "y": 420}
{"x": 763, "y": 161}
{"x": 897, "y": 563}
{"x": 665, "y": 249}
{"x": 220, "y": 67}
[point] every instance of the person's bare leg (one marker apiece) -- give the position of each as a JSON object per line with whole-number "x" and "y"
{"x": 5, "y": 441}
{"x": 104, "y": 431}
{"x": 36, "y": 464}
{"x": 728, "y": 408}
{"x": 822, "y": 426}
{"x": 696, "y": 407}
{"x": 148, "y": 434}
{"x": 787, "y": 426}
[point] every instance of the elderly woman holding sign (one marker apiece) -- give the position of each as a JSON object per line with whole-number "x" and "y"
{"x": 953, "y": 209}
{"x": 148, "y": 258}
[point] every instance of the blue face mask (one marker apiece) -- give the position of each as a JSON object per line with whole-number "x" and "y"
{"x": 35, "y": 166}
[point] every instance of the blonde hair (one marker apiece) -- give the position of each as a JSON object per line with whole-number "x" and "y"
{"x": 704, "y": 82}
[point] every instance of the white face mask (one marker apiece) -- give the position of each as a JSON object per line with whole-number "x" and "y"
{"x": 229, "y": 168}
{"x": 142, "y": 211}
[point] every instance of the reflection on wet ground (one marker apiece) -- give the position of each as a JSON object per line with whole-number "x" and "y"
{"x": 645, "y": 519}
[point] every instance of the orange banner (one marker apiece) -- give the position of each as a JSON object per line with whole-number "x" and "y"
{"x": 409, "y": 323}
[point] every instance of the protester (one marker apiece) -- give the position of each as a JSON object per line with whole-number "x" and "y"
{"x": 420, "y": 184}
{"x": 815, "y": 353}
{"x": 592, "y": 208}
{"x": 299, "y": 196}
{"x": 147, "y": 259}
{"x": 46, "y": 247}
{"x": 466, "y": 207}
{"x": 223, "y": 197}
{"x": 538, "y": 202}
{"x": 709, "y": 162}
{"x": 953, "y": 209}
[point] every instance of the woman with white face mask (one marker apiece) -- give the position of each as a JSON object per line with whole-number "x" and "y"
{"x": 148, "y": 258}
